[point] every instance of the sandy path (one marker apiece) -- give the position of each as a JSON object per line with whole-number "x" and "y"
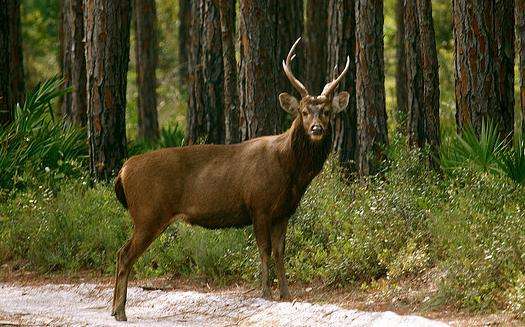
{"x": 88, "y": 304}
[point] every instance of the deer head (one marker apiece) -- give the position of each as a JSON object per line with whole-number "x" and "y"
{"x": 315, "y": 111}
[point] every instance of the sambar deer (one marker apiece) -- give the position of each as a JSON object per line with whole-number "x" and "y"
{"x": 259, "y": 182}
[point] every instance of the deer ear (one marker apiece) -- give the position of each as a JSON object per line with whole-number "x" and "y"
{"x": 340, "y": 101}
{"x": 289, "y": 103}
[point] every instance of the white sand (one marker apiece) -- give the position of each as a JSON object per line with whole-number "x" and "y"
{"x": 89, "y": 305}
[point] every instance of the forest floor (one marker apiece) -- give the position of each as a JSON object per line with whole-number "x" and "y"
{"x": 31, "y": 299}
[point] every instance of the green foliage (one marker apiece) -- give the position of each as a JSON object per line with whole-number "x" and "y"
{"x": 512, "y": 162}
{"x": 469, "y": 150}
{"x": 169, "y": 136}
{"x": 79, "y": 228}
{"x": 36, "y": 144}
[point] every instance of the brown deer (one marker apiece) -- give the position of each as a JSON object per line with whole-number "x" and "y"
{"x": 259, "y": 182}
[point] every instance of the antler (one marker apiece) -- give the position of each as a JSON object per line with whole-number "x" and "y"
{"x": 288, "y": 71}
{"x": 330, "y": 87}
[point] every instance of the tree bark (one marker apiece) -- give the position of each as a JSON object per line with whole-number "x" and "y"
{"x": 231, "y": 94}
{"x": 316, "y": 26}
{"x": 401, "y": 82}
{"x": 147, "y": 57}
{"x": 484, "y": 56}
{"x": 16, "y": 56}
{"x": 416, "y": 123}
{"x": 422, "y": 77}
{"x": 520, "y": 22}
{"x": 341, "y": 43}
{"x": 260, "y": 113}
{"x": 205, "y": 112}
{"x": 107, "y": 56}
{"x": 6, "y": 99}
{"x": 370, "y": 77}
{"x": 430, "y": 79}
{"x": 73, "y": 65}
{"x": 290, "y": 20}
{"x": 184, "y": 39}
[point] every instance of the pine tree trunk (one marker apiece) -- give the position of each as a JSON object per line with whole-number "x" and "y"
{"x": 260, "y": 112}
{"x": 430, "y": 67}
{"x": 370, "y": 77}
{"x": 290, "y": 21}
{"x": 6, "y": 99}
{"x": 422, "y": 77}
{"x": 401, "y": 82}
{"x": 520, "y": 22}
{"x": 316, "y": 25}
{"x": 484, "y": 56}
{"x": 231, "y": 94}
{"x": 196, "y": 123}
{"x": 146, "y": 57}
{"x": 341, "y": 43}
{"x": 184, "y": 39}
{"x": 74, "y": 104}
{"x": 16, "y": 56}
{"x": 205, "y": 111}
{"x": 107, "y": 55}
{"x": 416, "y": 123}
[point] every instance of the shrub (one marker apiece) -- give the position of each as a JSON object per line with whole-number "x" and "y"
{"x": 34, "y": 142}
{"x": 170, "y": 136}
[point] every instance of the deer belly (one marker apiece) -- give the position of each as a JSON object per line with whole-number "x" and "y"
{"x": 217, "y": 216}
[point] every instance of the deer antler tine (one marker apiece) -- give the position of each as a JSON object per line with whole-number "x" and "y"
{"x": 288, "y": 71}
{"x": 330, "y": 87}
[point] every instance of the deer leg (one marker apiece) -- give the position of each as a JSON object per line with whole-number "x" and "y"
{"x": 262, "y": 235}
{"x": 278, "y": 245}
{"x": 126, "y": 257}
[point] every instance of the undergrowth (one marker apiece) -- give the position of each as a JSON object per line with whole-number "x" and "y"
{"x": 469, "y": 226}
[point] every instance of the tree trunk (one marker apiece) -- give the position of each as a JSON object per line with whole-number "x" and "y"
{"x": 205, "y": 111}
{"x": 260, "y": 112}
{"x": 146, "y": 57}
{"x": 370, "y": 80}
{"x": 16, "y": 56}
{"x": 416, "y": 123}
{"x": 231, "y": 94}
{"x": 422, "y": 77}
{"x": 430, "y": 78}
{"x": 184, "y": 39}
{"x": 107, "y": 56}
{"x": 341, "y": 43}
{"x": 401, "y": 82}
{"x": 290, "y": 21}
{"x": 520, "y": 22}
{"x": 316, "y": 26}
{"x": 484, "y": 55}
{"x": 74, "y": 104}
{"x": 6, "y": 99}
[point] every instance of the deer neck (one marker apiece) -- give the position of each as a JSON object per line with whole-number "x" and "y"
{"x": 305, "y": 158}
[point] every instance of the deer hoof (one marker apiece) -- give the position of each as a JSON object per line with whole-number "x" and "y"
{"x": 285, "y": 296}
{"x": 120, "y": 316}
{"x": 267, "y": 294}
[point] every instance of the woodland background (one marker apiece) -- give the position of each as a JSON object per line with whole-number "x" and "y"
{"x": 426, "y": 180}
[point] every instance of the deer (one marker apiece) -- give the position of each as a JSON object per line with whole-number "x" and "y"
{"x": 258, "y": 182}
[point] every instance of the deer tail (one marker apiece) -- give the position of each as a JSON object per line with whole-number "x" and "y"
{"x": 119, "y": 191}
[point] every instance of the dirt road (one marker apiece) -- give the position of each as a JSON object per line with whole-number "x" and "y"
{"x": 88, "y": 304}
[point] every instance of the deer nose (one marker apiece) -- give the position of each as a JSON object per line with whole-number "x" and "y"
{"x": 317, "y": 129}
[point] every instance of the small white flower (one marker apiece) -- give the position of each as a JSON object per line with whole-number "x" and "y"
{"x": 47, "y": 169}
